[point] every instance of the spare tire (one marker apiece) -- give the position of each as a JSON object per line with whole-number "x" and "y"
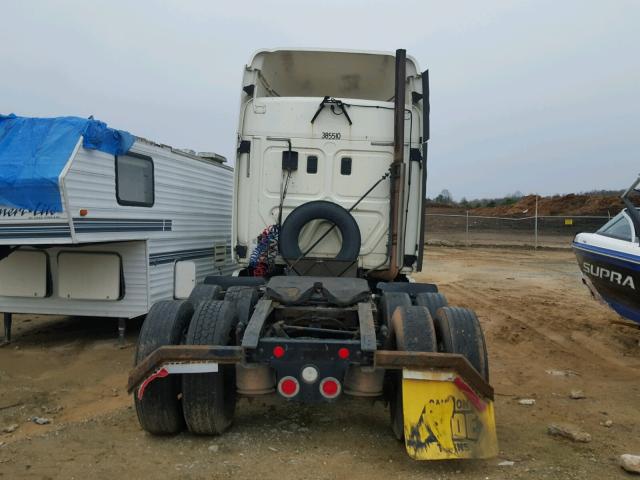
{"x": 320, "y": 210}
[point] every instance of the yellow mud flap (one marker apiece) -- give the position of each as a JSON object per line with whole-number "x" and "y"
{"x": 444, "y": 418}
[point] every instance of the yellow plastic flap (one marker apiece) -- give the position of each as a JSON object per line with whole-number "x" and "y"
{"x": 445, "y": 419}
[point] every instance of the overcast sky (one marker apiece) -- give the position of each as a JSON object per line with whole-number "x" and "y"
{"x": 537, "y": 96}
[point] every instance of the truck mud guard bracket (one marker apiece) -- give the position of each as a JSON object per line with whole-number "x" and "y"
{"x": 391, "y": 360}
{"x": 173, "y": 357}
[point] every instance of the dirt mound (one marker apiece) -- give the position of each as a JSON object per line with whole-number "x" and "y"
{"x": 572, "y": 204}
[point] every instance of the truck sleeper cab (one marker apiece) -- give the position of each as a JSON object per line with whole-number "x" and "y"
{"x": 319, "y": 126}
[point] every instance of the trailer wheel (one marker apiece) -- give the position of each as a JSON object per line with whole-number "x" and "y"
{"x": 244, "y": 300}
{"x": 209, "y": 399}
{"x": 458, "y": 331}
{"x": 202, "y": 292}
{"x": 160, "y": 411}
{"x": 433, "y": 301}
{"x": 412, "y": 331}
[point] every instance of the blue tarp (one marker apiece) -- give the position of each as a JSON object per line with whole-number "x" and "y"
{"x": 33, "y": 152}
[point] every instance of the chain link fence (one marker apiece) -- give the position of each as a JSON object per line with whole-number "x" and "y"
{"x": 466, "y": 229}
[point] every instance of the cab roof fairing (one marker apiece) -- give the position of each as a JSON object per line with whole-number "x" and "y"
{"x": 320, "y": 72}
{"x": 261, "y": 52}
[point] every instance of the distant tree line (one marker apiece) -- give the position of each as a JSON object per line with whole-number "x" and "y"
{"x": 605, "y": 193}
{"x": 445, "y": 198}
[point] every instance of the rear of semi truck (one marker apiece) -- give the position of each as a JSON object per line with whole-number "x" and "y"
{"x": 328, "y": 225}
{"x": 319, "y": 126}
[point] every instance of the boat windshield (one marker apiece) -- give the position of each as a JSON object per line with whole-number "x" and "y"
{"x": 618, "y": 227}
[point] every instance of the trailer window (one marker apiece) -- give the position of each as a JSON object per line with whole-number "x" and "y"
{"x": 134, "y": 180}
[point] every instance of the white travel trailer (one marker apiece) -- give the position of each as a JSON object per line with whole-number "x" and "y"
{"x": 97, "y": 222}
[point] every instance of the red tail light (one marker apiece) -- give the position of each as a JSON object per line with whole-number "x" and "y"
{"x": 330, "y": 387}
{"x": 288, "y": 387}
{"x": 343, "y": 353}
{"x": 278, "y": 351}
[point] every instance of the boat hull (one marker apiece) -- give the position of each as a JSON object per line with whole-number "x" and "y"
{"x": 612, "y": 276}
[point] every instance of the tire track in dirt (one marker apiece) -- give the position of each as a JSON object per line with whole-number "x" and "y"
{"x": 577, "y": 344}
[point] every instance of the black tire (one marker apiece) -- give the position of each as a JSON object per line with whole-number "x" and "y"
{"x": 226, "y": 281}
{"x": 459, "y": 331}
{"x": 209, "y": 399}
{"x": 412, "y": 331}
{"x": 389, "y": 301}
{"x": 244, "y": 300}
{"x": 202, "y": 292}
{"x": 160, "y": 411}
{"x": 433, "y": 301}
{"x": 412, "y": 288}
{"x": 320, "y": 210}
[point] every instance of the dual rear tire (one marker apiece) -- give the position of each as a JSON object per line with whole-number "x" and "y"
{"x": 457, "y": 330}
{"x": 432, "y": 301}
{"x": 160, "y": 409}
{"x": 412, "y": 330}
{"x": 209, "y": 399}
{"x": 204, "y": 402}
{"x": 429, "y": 326}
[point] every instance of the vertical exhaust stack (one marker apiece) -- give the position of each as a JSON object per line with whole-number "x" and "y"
{"x": 397, "y": 169}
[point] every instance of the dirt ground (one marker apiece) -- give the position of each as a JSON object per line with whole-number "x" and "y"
{"x": 496, "y": 238}
{"x": 537, "y": 317}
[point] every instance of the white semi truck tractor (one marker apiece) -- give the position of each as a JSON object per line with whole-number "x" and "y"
{"x": 328, "y": 226}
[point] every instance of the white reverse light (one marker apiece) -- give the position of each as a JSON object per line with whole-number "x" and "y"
{"x": 310, "y": 374}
